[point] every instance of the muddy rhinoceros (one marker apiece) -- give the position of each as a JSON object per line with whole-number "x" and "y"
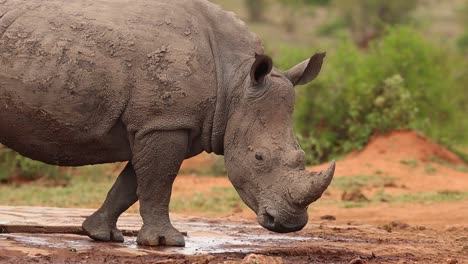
{"x": 154, "y": 82}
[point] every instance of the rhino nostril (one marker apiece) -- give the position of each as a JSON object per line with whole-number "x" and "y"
{"x": 269, "y": 219}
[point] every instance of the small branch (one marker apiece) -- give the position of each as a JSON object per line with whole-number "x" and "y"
{"x": 29, "y": 229}
{"x": 74, "y": 230}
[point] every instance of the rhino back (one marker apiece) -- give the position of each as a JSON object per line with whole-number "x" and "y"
{"x": 79, "y": 78}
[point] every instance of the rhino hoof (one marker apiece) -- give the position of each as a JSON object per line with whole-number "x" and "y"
{"x": 157, "y": 237}
{"x": 98, "y": 228}
{"x": 113, "y": 236}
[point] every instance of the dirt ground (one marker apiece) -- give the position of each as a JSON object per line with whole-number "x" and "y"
{"x": 380, "y": 230}
{"x": 227, "y": 240}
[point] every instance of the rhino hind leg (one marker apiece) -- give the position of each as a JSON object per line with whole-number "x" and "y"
{"x": 102, "y": 225}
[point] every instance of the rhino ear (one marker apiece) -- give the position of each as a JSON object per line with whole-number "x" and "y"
{"x": 307, "y": 70}
{"x": 260, "y": 68}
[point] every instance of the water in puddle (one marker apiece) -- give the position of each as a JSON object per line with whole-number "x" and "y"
{"x": 203, "y": 238}
{"x": 197, "y": 242}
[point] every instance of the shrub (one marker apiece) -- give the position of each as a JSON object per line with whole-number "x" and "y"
{"x": 13, "y": 164}
{"x": 218, "y": 168}
{"x": 256, "y": 9}
{"x": 317, "y": 2}
{"x": 367, "y": 19}
{"x": 463, "y": 40}
{"x": 291, "y": 8}
{"x": 402, "y": 81}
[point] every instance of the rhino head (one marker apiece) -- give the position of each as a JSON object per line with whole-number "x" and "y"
{"x": 263, "y": 158}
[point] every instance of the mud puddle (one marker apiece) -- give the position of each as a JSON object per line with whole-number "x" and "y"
{"x": 197, "y": 242}
{"x": 229, "y": 241}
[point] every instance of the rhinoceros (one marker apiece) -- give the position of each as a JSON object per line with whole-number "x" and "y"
{"x": 154, "y": 82}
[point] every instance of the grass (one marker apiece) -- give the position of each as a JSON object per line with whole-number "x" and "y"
{"x": 216, "y": 168}
{"x": 89, "y": 186}
{"x": 410, "y": 162}
{"x": 414, "y": 198}
{"x": 429, "y": 169}
{"x": 429, "y": 197}
{"x": 359, "y": 181}
{"x": 353, "y": 204}
{"x": 214, "y": 202}
{"x": 461, "y": 151}
{"x": 85, "y": 190}
{"x": 459, "y": 167}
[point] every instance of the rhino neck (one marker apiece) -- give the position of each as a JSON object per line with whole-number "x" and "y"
{"x": 230, "y": 80}
{"x": 233, "y": 49}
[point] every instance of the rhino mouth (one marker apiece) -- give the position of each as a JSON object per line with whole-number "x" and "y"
{"x": 251, "y": 203}
{"x": 273, "y": 221}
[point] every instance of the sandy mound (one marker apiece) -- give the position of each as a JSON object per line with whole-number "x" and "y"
{"x": 414, "y": 161}
{"x": 405, "y": 145}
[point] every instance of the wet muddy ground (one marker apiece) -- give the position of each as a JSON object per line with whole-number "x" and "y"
{"x": 224, "y": 240}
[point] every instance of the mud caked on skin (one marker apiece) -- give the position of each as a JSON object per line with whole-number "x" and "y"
{"x": 153, "y": 83}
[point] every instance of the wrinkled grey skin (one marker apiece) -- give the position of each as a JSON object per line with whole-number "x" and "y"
{"x": 153, "y": 82}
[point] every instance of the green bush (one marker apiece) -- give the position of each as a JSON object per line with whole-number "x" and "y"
{"x": 317, "y": 2}
{"x": 367, "y": 19}
{"x": 463, "y": 40}
{"x": 402, "y": 81}
{"x": 256, "y": 9}
{"x": 290, "y": 13}
{"x": 291, "y": 9}
{"x": 13, "y": 164}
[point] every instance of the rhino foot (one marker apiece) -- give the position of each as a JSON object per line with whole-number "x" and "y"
{"x": 160, "y": 236}
{"x": 100, "y": 228}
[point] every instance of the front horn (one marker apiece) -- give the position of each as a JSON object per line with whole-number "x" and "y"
{"x": 312, "y": 185}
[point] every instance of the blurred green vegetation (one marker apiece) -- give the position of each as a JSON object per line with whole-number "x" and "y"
{"x": 413, "y": 198}
{"x": 215, "y": 168}
{"x": 356, "y": 182}
{"x": 390, "y": 65}
{"x": 87, "y": 188}
{"x": 214, "y": 202}
{"x": 402, "y": 81}
{"x": 367, "y": 19}
{"x": 463, "y": 40}
{"x": 256, "y": 9}
{"x": 14, "y": 165}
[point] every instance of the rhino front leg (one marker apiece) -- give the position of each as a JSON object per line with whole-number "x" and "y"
{"x": 157, "y": 158}
{"x": 102, "y": 225}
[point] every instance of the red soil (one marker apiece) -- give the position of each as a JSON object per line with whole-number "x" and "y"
{"x": 399, "y": 145}
{"x": 409, "y": 157}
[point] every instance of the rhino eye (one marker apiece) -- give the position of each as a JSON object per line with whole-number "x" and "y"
{"x": 262, "y": 162}
{"x": 258, "y": 156}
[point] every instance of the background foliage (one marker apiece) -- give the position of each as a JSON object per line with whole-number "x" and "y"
{"x": 463, "y": 40}
{"x": 14, "y": 165}
{"x": 403, "y": 81}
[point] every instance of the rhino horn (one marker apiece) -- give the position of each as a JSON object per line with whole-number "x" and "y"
{"x": 313, "y": 186}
